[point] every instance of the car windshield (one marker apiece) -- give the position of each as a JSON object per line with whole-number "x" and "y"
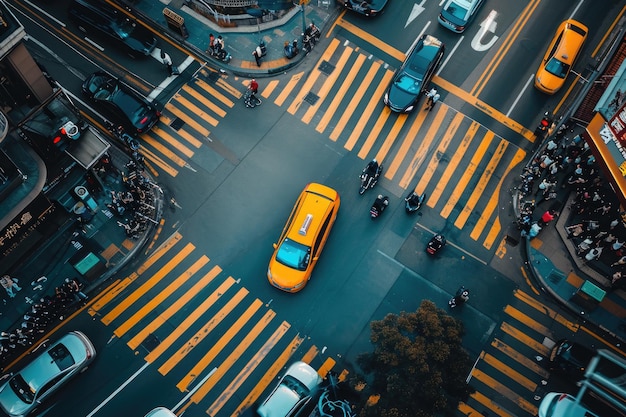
{"x": 407, "y": 83}
{"x": 61, "y": 357}
{"x": 456, "y": 10}
{"x": 296, "y": 386}
{"x": 558, "y": 68}
{"x": 124, "y": 28}
{"x": 293, "y": 254}
{"x": 22, "y": 389}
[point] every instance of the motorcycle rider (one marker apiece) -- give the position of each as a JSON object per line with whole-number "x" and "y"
{"x": 372, "y": 168}
{"x": 379, "y": 205}
{"x": 461, "y": 297}
{"x": 218, "y": 47}
{"x": 413, "y": 199}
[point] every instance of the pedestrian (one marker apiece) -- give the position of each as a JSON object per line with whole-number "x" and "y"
{"x": 10, "y": 284}
{"x": 167, "y": 61}
{"x": 257, "y": 56}
{"x": 430, "y": 95}
{"x": 254, "y": 86}
{"x": 433, "y": 101}
{"x": 594, "y": 254}
{"x": 211, "y": 49}
{"x": 547, "y": 217}
{"x": 620, "y": 261}
{"x": 73, "y": 287}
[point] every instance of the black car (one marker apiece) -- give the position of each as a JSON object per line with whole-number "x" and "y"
{"x": 96, "y": 17}
{"x": 570, "y": 358}
{"x": 411, "y": 80}
{"x": 367, "y": 8}
{"x": 120, "y": 103}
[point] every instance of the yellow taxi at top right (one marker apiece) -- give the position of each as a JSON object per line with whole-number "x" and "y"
{"x": 560, "y": 56}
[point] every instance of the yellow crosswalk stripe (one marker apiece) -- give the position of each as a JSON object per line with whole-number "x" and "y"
{"x": 525, "y": 339}
{"x": 310, "y": 82}
{"x": 509, "y": 372}
{"x": 409, "y": 139}
{"x": 374, "y": 132}
{"x": 479, "y": 188}
{"x": 160, "y": 297}
{"x": 227, "y": 363}
{"x": 174, "y": 142}
{"x": 189, "y": 320}
{"x": 152, "y": 157}
{"x": 146, "y": 286}
{"x": 228, "y": 88}
{"x": 468, "y": 411}
{"x": 202, "y": 131}
{"x": 173, "y": 308}
{"x": 209, "y": 326}
{"x": 528, "y": 300}
{"x": 269, "y": 376}
{"x": 326, "y": 367}
{"x": 467, "y": 175}
{"x": 269, "y": 89}
{"x": 491, "y": 405}
{"x": 214, "y": 93}
{"x": 204, "y": 101}
{"x": 230, "y": 390}
{"x": 506, "y": 392}
{"x": 195, "y": 110}
{"x": 374, "y": 101}
{"x": 354, "y": 101}
{"x": 425, "y": 144}
{"x": 528, "y": 321}
{"x": 310, "y": 354}
{"x": 293, "y": 81}
{"x": 391, "y": 137}
{"x": 341, "y": 93}
{"x": 183, "y": 133}
{"x": 519, "y": 358}
{"x": 165, "y": 151}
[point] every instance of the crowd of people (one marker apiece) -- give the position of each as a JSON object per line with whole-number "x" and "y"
{"x": 596, "y": 224}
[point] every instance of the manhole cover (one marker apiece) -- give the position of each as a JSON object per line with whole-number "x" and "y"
{"x": 556, "y": 276}
{"x": 511, "y": 241}
{"x": 150, "y": 342}
{"x": 326, "y": 67}
{"x": 311, "y": 98}
{"x": 177, "y": 123}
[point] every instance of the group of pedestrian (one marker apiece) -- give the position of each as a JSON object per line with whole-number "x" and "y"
{"x": 432, "y": 97}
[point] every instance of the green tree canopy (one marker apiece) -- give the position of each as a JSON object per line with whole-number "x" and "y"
{"x": 418, "y": 365}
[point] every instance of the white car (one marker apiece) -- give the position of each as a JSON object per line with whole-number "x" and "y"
{"x": 556, "y": 404}
{"x": 160, "y": 412}
{"x": 456, "y": 15}
{"x": 292, "y": 392}
{"x": 25, "y": 390}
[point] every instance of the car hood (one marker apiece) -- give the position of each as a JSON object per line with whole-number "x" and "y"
{"x": 285, "y": 277}
{"x": 399, "y": 99}
{"x": 11, "y": 403}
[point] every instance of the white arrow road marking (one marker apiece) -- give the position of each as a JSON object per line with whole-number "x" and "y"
{"x": 416, "y": 11}
{"x": 487, "y": 25}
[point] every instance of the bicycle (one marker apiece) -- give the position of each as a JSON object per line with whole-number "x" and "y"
{"x": 251, "y": 100}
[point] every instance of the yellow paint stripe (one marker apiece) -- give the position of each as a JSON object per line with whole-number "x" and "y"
{"x": 164, "y": 150}
{"x": 160, "y": 297}
{"x": 525, "y": 339}
{"x": 214, "y": 93}
{"x": 391, "y": 137}
{"x": 164, "y": 248}
{"x": 340, "y": 95}
{"x": 152, "y": 157}
{"x": 491, "y": 405}
{"x": 519, "y": 358}
{"x": 493, "y": 203}
{"x": 105, "y": 296}
{"x": 189, "y": 320}
{"x": 326, "y": 367}
{"x": 504, "y": 47}
{"x": 310, "y": 81}
{"x": 409, "y": 139}
{"x": 466, "y": 410}
{"x": 164, "y": 135}
{"x": 327, "y": 85}
{"x": 227, "y": 363}
{"x": 467, "y": 175}
{"x": 452, "y": 166}
{"x": 343, "y": 375}
{"x": 509, "y": 372}
{"x": 203, "y": 131}
{"x": 269, "y": 376}
{"x": 369, "y": 110}
{"x": 230, "y": 390}
{"x": 605, "y": 342}
{"x": 354, "y": 101}
{"x": 431, "y": 168}
{"x": 310, "y": 354}
{"x": 269, "y": 88}
{"x": 192, "y": 108}
{"x": 425, "y": 144}
{"x": 360, "y": 33}
{"x": 203, "y": 100}
{"x": 374, "y": 132}
{"x": 506, "y": 392}
{"x": 608, "y": 32}
{"x": 208, "y": 327}
{"x": 485, "y": 108}
{"x": 228, "y": 88}
{"x": 174, "y": 307}
{"x": 146, "y": 286}
{"x": 482, "y": 184}
{"x": 530, "y": 301}
{"x": 293, "y": 81}
{"x": 182, "y": 133}
{"x": 494, "y": 232}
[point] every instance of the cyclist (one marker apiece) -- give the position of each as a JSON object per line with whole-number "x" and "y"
{"x": 253, "y": 86}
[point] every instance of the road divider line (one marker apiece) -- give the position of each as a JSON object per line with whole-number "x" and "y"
{"x": 174, "y": 307}
{"x": 195, "y": 340}
{"x": 118, "y": 390}
{"x": 189, "y": 320}
{"x": 269, "y": 376}
{"x": 388, "y": 49}
{"x": 245, "y": 372}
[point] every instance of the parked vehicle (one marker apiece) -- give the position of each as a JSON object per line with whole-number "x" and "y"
{"x": 121, "y": 104}
{"x": 435, "y": 244}
{"x": 96, "y": 17}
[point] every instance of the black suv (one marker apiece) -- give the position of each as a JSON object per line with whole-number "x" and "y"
{"x": 570, "y": 358}
{"x": 98, "y": 18}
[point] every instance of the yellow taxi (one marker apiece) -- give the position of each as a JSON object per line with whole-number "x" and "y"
{"x": 303, "y": 237}
{"x": 560, "y": 56}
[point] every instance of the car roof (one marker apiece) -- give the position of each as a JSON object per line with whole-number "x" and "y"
{"x": 313, "y": 205}
{"x": 160, "y": 412}
{"x": 425, "y": 52}
{"x": 574, "y": 34}
{"x": 285, "y": 395}
{"x": 556, "y": 404}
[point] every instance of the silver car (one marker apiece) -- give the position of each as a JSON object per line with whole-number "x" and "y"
{"x": 25, "y": 390}
{"x": 293, "y": 391}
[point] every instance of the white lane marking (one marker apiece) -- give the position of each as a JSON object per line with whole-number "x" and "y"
{"x": 49, "y": 16}
{"x": 119, "y": 389}
{"x": 519, "y": 96}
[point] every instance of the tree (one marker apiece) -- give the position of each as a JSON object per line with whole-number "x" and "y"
{"x": 418, "y": 365}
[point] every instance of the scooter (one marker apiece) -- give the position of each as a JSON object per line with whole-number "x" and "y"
{"x": 413, "y": 202}
{"x": 369, "y": 181}
{"x": 460, "y": 298}
{"x": 435, "y": 244}
{"x": 544, "y": 124}
{"x": 380, "y": 204}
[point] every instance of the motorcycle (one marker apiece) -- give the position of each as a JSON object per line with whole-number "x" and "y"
{"x": 413, "y": 202}
{"x": 368, "y": 180}
{"x": 544, "y": 124}
{"x": 435, "y": 244}
{"x": 291, "y": 49}
{"x": 310, "y": 37}
{"x": 380, "y": 204}
{"x": 460, "y": 298}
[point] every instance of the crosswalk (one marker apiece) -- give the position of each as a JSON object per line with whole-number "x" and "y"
{"x": 186, "y": 317}
{"x": 457, "y": 162}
